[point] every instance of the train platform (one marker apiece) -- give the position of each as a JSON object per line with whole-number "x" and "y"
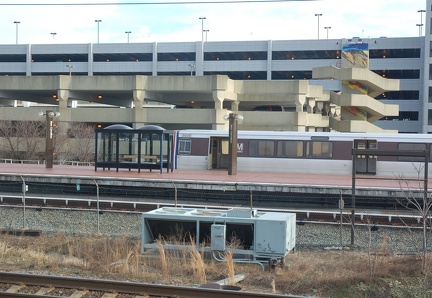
{"x": 197, "y": 177}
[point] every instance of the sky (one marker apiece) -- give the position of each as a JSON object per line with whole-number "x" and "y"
{"x": 162, "y": 21}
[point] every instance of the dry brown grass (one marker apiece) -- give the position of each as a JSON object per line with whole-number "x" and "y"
{"x": 324, "y": 272}
{"x": 197, "y": 263}
{"x": 229, "y": 260}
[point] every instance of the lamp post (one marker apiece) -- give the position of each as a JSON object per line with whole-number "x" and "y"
{"x": 327, "y": 28}
{"x": 318, "y": 15}
{"x": 420, "y": 29}
{"x": 202, "y": 27}
{"x": 192, "y": 66}
{"x": 128, "y": 32}
{"x": 49, "y": 144}
{"x": 206, "y": 31}
{"x": 232, "y": 150}
{"x": 70, "y": 68}
{"x": 98, "y": 21}
{"x": 421, "y": 11}
{"x": 16, "y": 31}
{"x": 53, "y": 34}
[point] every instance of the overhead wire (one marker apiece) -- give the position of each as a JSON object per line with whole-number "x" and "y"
{"x": 151, "y": 3}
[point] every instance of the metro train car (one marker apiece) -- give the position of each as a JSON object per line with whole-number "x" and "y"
{"x": 302, "y": 152}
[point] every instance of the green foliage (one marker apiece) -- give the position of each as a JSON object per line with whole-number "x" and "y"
{"x": 415, "y": 288}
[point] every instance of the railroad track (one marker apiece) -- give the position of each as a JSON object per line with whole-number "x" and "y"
{"x": 31, "y": 285}
{"x": 398, "y": 218}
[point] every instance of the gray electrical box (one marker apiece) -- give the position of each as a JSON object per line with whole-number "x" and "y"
{"x": 257, "y": 235}
{"x": 218, "y": 234}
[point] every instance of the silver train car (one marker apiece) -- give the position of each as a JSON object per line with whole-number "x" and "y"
{"x": 301, "y": 152}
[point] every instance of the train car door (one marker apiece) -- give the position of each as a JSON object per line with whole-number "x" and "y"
{"x": 218, "y": 155}
{"x": 365, "y": 164}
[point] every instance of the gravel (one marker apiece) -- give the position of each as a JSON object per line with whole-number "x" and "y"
{"x": 398, "y": 240}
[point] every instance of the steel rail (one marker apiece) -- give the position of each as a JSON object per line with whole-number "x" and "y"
{"x": 125, "y": 206}
{"x": 128, "y": 287}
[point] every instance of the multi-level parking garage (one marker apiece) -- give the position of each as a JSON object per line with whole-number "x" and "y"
{"x": 214, "y": 78}
{"x": 289, "y": 62}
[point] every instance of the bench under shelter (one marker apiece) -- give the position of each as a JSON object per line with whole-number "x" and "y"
{"x": 120, "y": 146}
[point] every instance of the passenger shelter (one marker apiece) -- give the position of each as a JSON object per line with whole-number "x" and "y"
{"x": 120, "y": 146}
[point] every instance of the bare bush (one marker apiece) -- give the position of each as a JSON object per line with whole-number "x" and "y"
{"x": 416, "y": 198}
{"x": 26, "y": 140}
{"x": 22, "y": 139}
{"x": 75, "y": 141}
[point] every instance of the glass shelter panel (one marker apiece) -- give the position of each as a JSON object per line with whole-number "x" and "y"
{"x": 123, "y": 147}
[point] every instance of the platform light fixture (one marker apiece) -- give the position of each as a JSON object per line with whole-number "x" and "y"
{"x": 70, "y": 68}
{"x": 421, "y": 11}
{"x": 420, "y": 29}
{"x": 192, "y": 66}
{"x": 327, "y": 28}
{"x": 318, "y": 15}
{"x": 202, "y": 27}
{"x": 128, "y": 32}
{"x": 232, "y": 150}
{"x": 16, "y": 30}
{"x": 49, "y": 144}
{"x": 98, "y": 22}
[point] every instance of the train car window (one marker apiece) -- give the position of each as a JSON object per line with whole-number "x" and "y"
{"x": 184, "y": 147}
{"x": 411, "y": 146}
{"x": 261, "y": 148}
{"x": 290, "y": 149}
{"x": 318, "y": 149}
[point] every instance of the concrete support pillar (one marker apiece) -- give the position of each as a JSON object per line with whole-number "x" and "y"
{"x": 64, "y": 108}
{"x": 220, "y": 122}
{"x": 337, "y": 112}
{"x": 234, "y": 106}
{"x": 319, "y": 107}
{"x": 301, "y": 128}
{"x": 326, "y": 109}
{"x": 139, "y": 114}
{"x": 332, "y": 112}
{"x": 311, "y": 128}
{"x": 310, "y": 105}
{"x": 218, "y": 97}
{"x": 301, "y": 100}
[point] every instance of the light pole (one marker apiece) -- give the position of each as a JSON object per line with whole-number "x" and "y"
{"x": 318, "y": 15}
{"x": 327, "y": 28}
{"x": 232, "y": 150}
{"x": 49, "y": 145}
{"x": 128, "y": 32}
{"x": 70, "y": 68}
{"x": 420, "y": 29}
{"x": 16, "y": 31}
{"x": 192, "y": 66}
{"x": 53, "y": 34}
{"x": 98, "y": 21}
{"x": 202, "y": 27}
{"x": 421, "y": 11}
{"x": 206, "y": 31}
